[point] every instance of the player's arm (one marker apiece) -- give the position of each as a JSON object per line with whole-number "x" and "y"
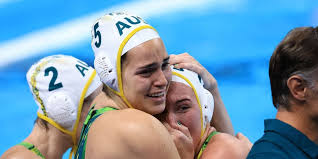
{"x": 19, "y": 152}
{"x": 130, "y": 134}
{"x": 221, "y": 119}
{"x": 227, "y": 146}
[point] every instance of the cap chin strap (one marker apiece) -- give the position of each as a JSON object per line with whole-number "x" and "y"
{"x": 52, "y": 122}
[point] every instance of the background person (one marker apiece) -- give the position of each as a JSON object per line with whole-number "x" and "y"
{"x": 293, "y": 75}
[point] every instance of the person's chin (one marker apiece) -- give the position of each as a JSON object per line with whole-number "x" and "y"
{"x": 157, "y": 109}
{"x": 156, "y": 105}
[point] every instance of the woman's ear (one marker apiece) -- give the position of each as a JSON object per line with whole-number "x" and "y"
{"x": 297, "y": 87}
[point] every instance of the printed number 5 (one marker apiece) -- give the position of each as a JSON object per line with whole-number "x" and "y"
{"x": 53, "y": 86}
{"x": 97, "y": 34}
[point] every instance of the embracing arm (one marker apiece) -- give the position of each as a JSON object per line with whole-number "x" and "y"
{"x": 227, "y": 146}
{"x": 221, "y": 119}
{"x": 19, "y": 152}
{"x": 131, "y": 134}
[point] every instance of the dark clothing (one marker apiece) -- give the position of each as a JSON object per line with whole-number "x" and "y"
{"x": 282, "y": 141}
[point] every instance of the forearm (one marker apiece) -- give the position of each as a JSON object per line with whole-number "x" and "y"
{"x": 224, "y": 145}
{"x": 221, "y": 119}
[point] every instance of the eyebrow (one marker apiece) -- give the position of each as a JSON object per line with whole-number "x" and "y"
{"x": 183, "y": 100}
{"x": 152, "y": 65}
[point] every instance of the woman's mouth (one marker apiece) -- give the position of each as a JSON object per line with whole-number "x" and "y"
{"x": 158, "y": 98}
{"x": 156, "y": 95}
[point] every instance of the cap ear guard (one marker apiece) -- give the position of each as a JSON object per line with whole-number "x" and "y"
{"x": 61, "y": 108}
{"x": 207, "y": 103}
{"x": 105, "y": 70}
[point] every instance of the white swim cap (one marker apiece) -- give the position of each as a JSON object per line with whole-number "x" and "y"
{"x": 59, "y": 85}
{"x": 203, "y": 96}
{"x": 112, "y": 36}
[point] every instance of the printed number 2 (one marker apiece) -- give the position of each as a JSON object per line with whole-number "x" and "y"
{"x": 97, "y": 34}
{"x": 53, "y": 86}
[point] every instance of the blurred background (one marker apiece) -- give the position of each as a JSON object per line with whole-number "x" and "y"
{"x": 233, "y": 39}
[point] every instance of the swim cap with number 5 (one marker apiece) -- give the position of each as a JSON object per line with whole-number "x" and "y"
{"x": 112, "y": 36}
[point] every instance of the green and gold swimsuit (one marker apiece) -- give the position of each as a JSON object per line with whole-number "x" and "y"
{"x": 32, "y": 148}
{"x": 91, "y": 117}
{"x": 207, "y": 140}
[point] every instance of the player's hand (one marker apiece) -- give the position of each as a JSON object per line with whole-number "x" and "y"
{"x": 182, "y": 139}
{"x": 186, "y": 61}
{"x": 224, "y": 145}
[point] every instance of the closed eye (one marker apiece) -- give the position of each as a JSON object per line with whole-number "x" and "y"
{"x": 183, "y": 105}
{"x": 165, "y": 63}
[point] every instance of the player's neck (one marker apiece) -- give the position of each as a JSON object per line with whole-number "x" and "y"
{"x": 207, "y": 132}
{"x": 52, "y": 143}
{"x": 103, "y": 100}
{"x": 301, "y": 121}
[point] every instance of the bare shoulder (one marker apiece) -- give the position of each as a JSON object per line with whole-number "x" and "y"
{"x": 129, "y": 133}
{"x": 19, "y": 152}
{"x": 224, "y": 145}
{"x": 127, "y": 119}
{"x": 131, "y": 119}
